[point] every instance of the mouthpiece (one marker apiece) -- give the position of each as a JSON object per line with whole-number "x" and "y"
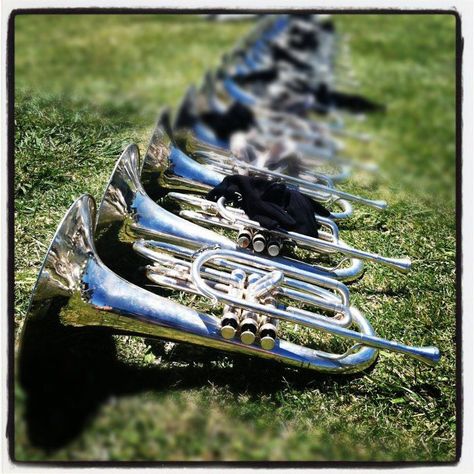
{"x": 382, "y": 205}
{"x": 429, "y": 355}
{"x": 403, "y": 265}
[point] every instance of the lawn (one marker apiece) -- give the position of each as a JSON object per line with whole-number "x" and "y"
{"x": 86, "y": 86}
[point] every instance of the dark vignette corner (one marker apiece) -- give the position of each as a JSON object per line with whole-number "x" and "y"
{"x": 10, "y": 432}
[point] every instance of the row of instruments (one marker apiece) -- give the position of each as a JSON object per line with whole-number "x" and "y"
{"x": 268, "y": 111}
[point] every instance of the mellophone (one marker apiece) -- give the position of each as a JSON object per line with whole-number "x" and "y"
{"x": 249, "y": 275}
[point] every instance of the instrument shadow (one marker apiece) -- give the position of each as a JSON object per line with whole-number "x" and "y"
{"x": 77, "y": 370}
{"x": 225, "y": 369}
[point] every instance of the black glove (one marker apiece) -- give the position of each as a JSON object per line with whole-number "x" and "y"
{"x": 272, "y": 204}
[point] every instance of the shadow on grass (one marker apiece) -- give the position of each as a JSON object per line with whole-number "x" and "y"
{"x": 66, "y": 374}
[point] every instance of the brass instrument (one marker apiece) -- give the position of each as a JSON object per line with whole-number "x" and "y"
{"x": 125, "y": 202}
{"x": 75, "y": 288}
{"x": 167, "y": 166}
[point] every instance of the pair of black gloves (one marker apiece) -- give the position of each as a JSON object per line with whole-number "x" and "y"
{"x": 273, "y": 204}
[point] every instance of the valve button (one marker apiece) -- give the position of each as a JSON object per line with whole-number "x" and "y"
{"x": 227, "y": 332}
{"x": 247, "y": 337}
{"x": 267, "y": 343}
{"x": 273, "y": 250}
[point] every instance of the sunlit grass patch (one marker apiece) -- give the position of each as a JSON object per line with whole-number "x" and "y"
{"x": 86, "y": 86}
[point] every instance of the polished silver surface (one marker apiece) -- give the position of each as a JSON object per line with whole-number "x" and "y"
{"x": 166, "y": 165}
{"x": 318, "y": 291}
{"x": 150, "y": 249}
{"x": 272, "y": 282}
{"x": 322, "y": 189}
{"x": 429, "y": 355}
{"x": 126, "y": 203}
{"x": 402, "y": 265}
{"x": 75, "y": 288}
{"x": 233, "y": 218}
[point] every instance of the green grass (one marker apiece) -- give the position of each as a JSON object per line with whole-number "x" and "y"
{"x": 88, "y": 85}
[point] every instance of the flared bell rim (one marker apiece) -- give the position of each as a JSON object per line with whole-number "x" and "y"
{"x": 130, "y": 157}
{"x": 162, "y": 135}
{"x": 86, "y": 202}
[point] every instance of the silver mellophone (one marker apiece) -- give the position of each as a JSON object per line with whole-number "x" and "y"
{"x": 242, "y": 270}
